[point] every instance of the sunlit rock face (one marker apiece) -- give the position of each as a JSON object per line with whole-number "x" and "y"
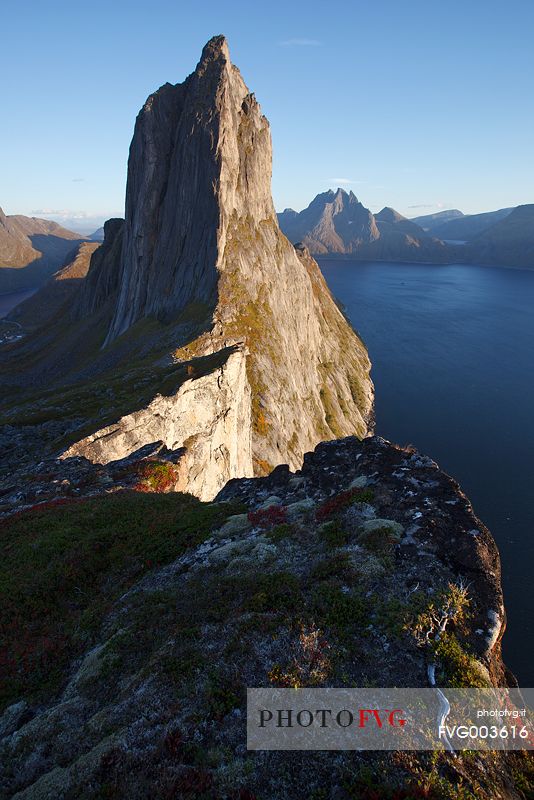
{"x": 201, "y": 241}
{"x": 209, "y": 417}
{"x": 200, "y": 156}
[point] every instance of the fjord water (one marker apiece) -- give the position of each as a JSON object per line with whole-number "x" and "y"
{"x": 452, "y": 349}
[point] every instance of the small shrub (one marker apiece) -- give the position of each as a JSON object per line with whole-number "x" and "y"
{"x": 334, "y": 505}
{"x": 310, "y": 664}
{"x": 390, "y": 615}
{"x": 222, "y": 695}
{"x": 268, "y": 517}
{"x": 337, "y": 566}
{"x": 275, "y": 592}
{"x": 338, "y": 609}
{"x": 282, "y": 531}
{"x": 450, "y": 605}
{"x": 461, "y": 669}
{"x": 334, "y": 534}
{"x": 157, "y": 476}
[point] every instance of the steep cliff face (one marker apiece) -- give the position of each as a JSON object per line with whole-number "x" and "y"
{"x": 103, "y": 276}
{"x": 201, "y": 243}
{"x": 209, "y": 416}
{"x": 200, "y": 156}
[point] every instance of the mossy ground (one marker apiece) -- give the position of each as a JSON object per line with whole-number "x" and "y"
{"x": 64, "y": 566}
{"x": 157, "y": 657}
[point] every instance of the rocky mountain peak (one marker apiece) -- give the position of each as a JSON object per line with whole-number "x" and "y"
{"x": 388, "y": 214}
{"x": 201, "y": 259}
{"x": 200, "y": 155}
{"x": 215, "y": 50}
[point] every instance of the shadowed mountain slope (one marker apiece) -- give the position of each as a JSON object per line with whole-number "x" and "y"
{"x": 509, "y": 242}
{"x": 467, "y": 227}
{"x": 31, "y": 250}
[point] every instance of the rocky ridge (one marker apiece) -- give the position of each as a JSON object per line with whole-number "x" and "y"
{"x": 313, "y": 577}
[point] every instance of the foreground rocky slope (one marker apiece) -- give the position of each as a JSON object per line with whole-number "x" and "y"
{"x": 312, "y": 578}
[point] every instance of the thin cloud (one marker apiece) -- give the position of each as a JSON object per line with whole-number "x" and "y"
{"x": 424, "y": 205}
{"x": 78, "y": 180}
{"x": 300, "y": 43}
{"x": 343, "y": 181}
{"x": 62, "y": 212}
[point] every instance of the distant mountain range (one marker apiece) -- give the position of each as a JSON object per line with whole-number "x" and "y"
{"x": 430, "y": 221}
{"x": 508, "y": 242}
{"x": 334, "y": 224}
{"x": 338, "y": 224}
{"x": 468, "y": 226}
{"x": 31, "y": 250}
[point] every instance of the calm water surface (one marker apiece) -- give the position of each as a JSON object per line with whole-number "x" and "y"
{"x": 453, "y": 364}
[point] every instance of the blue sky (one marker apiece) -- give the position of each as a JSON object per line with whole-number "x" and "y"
{"x": 417, "y": 105}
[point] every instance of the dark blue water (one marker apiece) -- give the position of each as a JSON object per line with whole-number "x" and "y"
{"x": 453, "y": 364}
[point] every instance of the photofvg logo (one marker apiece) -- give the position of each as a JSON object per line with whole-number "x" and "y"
{"x": 389, "y": 719}
{"x": 326, "y": 717}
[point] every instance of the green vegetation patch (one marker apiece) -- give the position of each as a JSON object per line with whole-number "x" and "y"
{"x": 65, "y": 564}
{"x": 461, "y": 669}
{"x": 283, "y": 531}
{"x": 334, "y": 534}
{"x": 342, "y": 611}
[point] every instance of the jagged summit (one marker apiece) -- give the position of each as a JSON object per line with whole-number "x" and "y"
{"x": 215, "y": 48}
{"x": 337, "y": 223}
{"x": 200, "y": 156}
{"x": 334, "y": 222}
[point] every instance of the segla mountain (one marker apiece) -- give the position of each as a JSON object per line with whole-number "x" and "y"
{"x": 198, "y": 323}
